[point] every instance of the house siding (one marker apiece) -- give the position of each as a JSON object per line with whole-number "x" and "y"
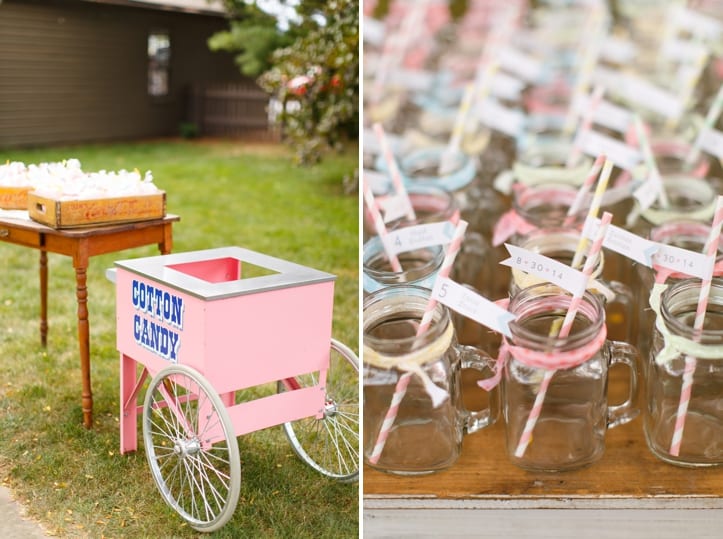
{"x": 74, "y": 71}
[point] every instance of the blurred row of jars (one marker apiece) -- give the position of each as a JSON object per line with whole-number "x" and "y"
{"x": 495, "y": 112}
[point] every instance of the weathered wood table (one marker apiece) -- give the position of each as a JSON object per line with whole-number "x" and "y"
{"x": 627, "y": 494}
{"x": 80, "y": 244}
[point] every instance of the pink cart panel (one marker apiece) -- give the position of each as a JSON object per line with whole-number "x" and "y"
{"x": 197, "y": 309}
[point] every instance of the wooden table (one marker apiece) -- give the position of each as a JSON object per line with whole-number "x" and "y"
{"x": 628, "y": 493}
{"x": 80, "y": 244}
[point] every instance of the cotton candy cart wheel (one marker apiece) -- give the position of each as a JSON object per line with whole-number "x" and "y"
{"x": 198, "y": 479}
{"x": 330, "y": 445}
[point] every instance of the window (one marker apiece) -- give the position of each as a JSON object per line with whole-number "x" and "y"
{"x": 159, "y": 61}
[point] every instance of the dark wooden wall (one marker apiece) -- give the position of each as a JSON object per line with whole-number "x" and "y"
{"x": 73, "y": 71}
{"x": 231, "y": 109}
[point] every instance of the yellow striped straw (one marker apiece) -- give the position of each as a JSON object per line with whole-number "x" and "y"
{"x": 462, "y": 113}
{"x": 602, "y": 185}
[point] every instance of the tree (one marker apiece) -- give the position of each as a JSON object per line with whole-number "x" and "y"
{"x": 312, "y": 68}
{"x": 253, "y": 34}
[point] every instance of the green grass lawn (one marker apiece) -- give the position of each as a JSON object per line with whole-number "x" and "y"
{"x": 227, "y": 193}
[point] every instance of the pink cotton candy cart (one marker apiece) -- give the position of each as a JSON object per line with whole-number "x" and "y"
{"x": 207, "y": 324}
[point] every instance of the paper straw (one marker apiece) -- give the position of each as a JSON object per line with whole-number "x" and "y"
{"x": 401, "y": 388}
{"x": 602, "y": 184}
{"x": 711, "y": 249}
{"x": 380, "y": 227}
{"x": 487, "y": 63}
{"x": 592, "y": 43}
{"x": 691, "y": 82}
{"x": 585, "y": 125}
{"x": 564, "y": 332}
{"x": 447, "y": 160}
{"x": 444, "y": 271}
{"x": 395, "y": 46}
{"x": 647, "y": 151}
{"x": 710, "y": 119}
{"x": 576, "y": 205}
{"x": 394, "y": 172}
{"x": 484, "y": 84}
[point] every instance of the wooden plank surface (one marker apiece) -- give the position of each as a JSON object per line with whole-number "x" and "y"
{"x": 626, "y": 470}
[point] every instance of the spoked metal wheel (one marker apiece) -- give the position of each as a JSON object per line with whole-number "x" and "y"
{"x": 330, "y": 445}
{"x": 191, "y": 447}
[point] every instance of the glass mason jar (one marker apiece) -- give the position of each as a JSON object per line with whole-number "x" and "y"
{"x": 543, "y": 158}
{"x": 680, "y": 358}
{"x": 688, "y": 235}
{"x": 431, "y": 205}
{"x": 533, "y": 208}
{"x": 690, "y": 198}
{"x": 618, "y": 299}
{"x": 419, "y": 266}
{"x": 419, "y": 378}
{"x": 537, "y": 207}
{"x": 574, "y": 414}
{"x": 670, "y": 154}
{"x": 478, "y": 204}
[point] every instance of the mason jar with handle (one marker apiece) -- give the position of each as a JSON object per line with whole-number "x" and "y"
{"x": 414, "y": 419}
{"x": 563, "y": 426}
{"x": 683, "y": 418}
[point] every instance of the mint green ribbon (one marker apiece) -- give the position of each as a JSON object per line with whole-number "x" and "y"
{"x": 675, "y": 345}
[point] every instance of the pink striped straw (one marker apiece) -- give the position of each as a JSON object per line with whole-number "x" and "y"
{"x": 401, "y": 388}
{"x": 585, "y": 125}
{"x": 584, "y": 190}
{"x": 380, "y": 227}
{"x": 564, "y": 332}
{"x": 711, "y": 250}
{"x": 394, "y": 172}
{"x": 395, "y": 46}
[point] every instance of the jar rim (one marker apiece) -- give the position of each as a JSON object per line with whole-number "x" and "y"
{"x": 530, "y": 197}
{"x": 697, "y": 189}
{"x": 527, "y": 303}
{"x": 459, "y": 178}
{"x": 689, "y": 289}
{"x": 374, "y": 247}
{"x": 410, "y": 301}
{"x": 671, "y": 230}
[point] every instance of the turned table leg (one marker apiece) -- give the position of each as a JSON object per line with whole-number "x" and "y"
{"x": 84, "y": 341}
{"x": 43, "y": 298}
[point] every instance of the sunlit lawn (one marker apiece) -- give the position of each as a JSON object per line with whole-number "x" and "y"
{"x": 227, "y": 193}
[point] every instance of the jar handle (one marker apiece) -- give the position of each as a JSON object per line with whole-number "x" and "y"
{"x": 621, "y": 310}
{"x": 474, "y": 358}
{"x": 626, "y": 354}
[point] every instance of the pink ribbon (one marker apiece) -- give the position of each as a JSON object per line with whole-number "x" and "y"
{"x": 509, "y": 224}
{"x": 548, "y": 360}
{"x": 662, "y": 273}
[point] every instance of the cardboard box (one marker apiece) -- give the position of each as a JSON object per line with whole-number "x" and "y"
{"x": 90, "y": 212}
{"x": 14, "y": 198}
